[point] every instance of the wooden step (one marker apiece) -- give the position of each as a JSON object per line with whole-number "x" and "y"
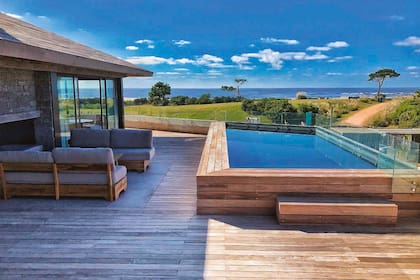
{"x": 336, "y": 210}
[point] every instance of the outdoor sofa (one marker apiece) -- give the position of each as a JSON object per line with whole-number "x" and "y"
{"x": 80, "y": 172}
{"x": 132, "y": 148}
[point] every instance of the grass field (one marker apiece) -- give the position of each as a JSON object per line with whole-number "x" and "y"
{"x": 233, "y": 112}
{"x": 220, "y": 111}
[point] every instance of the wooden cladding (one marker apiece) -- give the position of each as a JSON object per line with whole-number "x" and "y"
{"x": 336, "y": 210}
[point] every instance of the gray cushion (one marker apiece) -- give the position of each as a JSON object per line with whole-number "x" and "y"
{"x": 136, "y": 154}
{"x": 83, "y": 155}
{"x": 89, "y": 138}
{"x": 131, "y": 138}
{"x": 26, "y": 157}
{"x": 29, "y": 178}
{"x": 91, "y": 177}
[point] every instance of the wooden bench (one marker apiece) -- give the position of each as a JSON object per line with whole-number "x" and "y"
{"x": 336, "y": 210}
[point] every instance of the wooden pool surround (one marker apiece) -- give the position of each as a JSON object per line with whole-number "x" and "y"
{"x": 253, "y": 191}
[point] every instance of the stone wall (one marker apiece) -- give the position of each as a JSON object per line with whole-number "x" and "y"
{"x": 26, "y": 107}
{"x": 44, "y": 131}
{"x": 17, "y": 91}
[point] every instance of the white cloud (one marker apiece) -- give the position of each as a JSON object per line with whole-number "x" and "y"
{"x": 181, "y": 43}
{"x": 317, "y": 56}
{"x": 396, "y": 18}
{"x": 252, "y": 45}
{"x": 208, "y": 58}
{"x": 274, "y": 58}
{"x": 410, "y": 41}
{"x": 412, "y": 68}
{"x": 211, "y": 61}
{"x": 184, "y": 61}
{"x": 214, "y": 73}
{"x": 271, "y": 40}
{"x": 182, "y": 69}
{"x": 340, "y": 58}
{"x": 167, "y": 73}
{"x": 150, "y": 60}
{"x": 333, "y": 74}
{"x": 318, "y": 49}
{"x": 246, "y": 67}
{"x": 131, "y": 48}
{"x": 329, "y": 46}
{"x": 337, "y": 44}
{"x": 204, "y": 60}
{"x": 42, "y": 17}
{"x": 150, "y": 44}
{"x": 13, "y": 15}
{"x": 240, "y": 59}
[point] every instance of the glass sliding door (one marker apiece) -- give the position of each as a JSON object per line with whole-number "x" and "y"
{"x": 66, "y": 108}
{"x": 111, "y": 104}
{"x": 84, "y": 103}
{"x": 89, "y": 100}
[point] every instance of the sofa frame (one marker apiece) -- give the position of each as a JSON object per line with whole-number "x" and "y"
{"x": 110, "y": 191}
{"x": 20, "y": 189}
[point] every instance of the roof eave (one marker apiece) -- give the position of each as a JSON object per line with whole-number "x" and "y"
{"x": 23, "y": 51}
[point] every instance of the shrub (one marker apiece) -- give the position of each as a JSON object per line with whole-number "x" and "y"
{"x": 272, "y": 108}
{"x": 179, "y": 100}
{"x": 406, "y": 114}
{"x": 140, "y": 101}
{"x": 304, "y": 107}
{"x": 379, "y": 121}
{"x": 301, "y": 95}
{"x": 204, "y": 99}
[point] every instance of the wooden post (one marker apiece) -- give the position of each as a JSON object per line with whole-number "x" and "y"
{"x": 3, "y": 181}
{"x": 56, "y": 182}
{"x": 109, "y": 172}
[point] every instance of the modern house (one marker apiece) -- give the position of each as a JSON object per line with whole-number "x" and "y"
{"x": 50, "y": 84}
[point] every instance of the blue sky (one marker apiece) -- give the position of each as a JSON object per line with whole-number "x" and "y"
{"x": 197, "y": 43}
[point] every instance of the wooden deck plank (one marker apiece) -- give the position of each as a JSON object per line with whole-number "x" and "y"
{"x": 163, "y": 238}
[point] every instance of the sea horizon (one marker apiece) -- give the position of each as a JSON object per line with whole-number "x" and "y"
{"x": 312, "y": 92}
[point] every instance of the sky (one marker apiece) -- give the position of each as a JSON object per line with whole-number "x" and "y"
{"x": 271, "y": 43}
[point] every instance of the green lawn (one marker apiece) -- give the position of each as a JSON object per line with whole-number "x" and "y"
{"x": 220, "y": 111}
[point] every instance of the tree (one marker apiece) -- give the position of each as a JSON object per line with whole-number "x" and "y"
{"x": 228, "y": 88}
{"x": 239, "y": 82}
{"x": 380, "y": 76}
{"x": 158, "y": 94}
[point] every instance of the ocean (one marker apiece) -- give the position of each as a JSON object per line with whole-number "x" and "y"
{"x": 277, "y": 92}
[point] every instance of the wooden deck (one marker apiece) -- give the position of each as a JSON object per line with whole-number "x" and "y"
{"x": 152, "y": 232}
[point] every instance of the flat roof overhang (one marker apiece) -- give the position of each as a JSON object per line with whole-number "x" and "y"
{"x": 19, "y": 50}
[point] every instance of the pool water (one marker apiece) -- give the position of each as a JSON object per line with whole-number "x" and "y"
{"x": 260, "y": 149}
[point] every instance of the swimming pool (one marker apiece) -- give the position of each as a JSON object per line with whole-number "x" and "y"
{"x": 234, "y": 177}
{"x": 262, "y": 149}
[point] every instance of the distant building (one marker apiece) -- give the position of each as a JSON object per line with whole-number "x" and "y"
{"x": 50, "y": 84}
